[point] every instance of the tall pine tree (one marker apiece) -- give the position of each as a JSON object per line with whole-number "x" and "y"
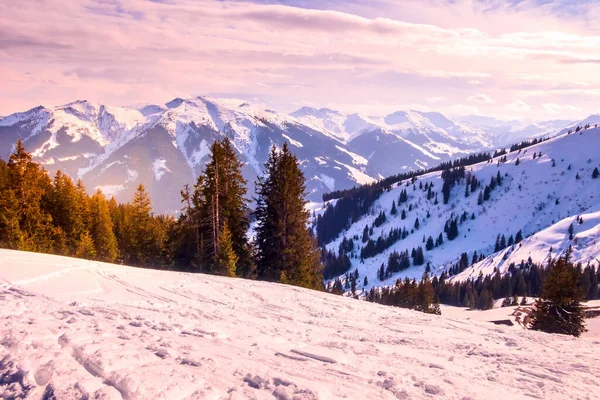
{"x": 286, "y": 251}
{"x": 221, "y": 198}
{"x": 102, "y": 229}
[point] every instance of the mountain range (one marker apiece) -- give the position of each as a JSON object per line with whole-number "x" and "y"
{"x": 166, "y": 146}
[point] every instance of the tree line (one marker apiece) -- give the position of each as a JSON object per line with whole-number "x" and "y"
{"x": 57, "y": 216}
{"x": 560, "y": 287}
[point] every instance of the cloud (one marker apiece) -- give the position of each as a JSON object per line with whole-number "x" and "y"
{"x": 358, "y": 54}
{"x": 481, "y": 99}
{"x": 518, "y": 106}
{"x": 558, "y": 108}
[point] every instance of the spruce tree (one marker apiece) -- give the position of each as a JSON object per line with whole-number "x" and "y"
{"x": 559, "y": 310}
{"x": 141, "y": 233}
{"x": 29, "y": 185}
{"x": 595, "y": 173}
{"x": 221, "y": 197}
{"x": 10, "y": 230}
{"x": 85, "y": 247}
{"x": 102, "y": 229}
{"x": 286, "y": 252}
{"x": 226, "y": 261}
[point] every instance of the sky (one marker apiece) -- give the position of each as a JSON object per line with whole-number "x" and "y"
{"x": 521, "y": 59}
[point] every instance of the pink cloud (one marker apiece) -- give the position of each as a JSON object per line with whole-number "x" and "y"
{"x": 128, "y": 51}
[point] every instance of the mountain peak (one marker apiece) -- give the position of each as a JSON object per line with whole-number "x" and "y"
{"x": 315, "y": 112}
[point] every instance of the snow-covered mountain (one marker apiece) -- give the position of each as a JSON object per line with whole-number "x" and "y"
{"x": 166, "y": 146}
{"x": 77, "y": 329}
{"x": 543, "y": 188}
{"x": 503, "y": 133}
{"x": 419, "y": 139}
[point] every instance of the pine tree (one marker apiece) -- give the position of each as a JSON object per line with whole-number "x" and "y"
{"x": 221, "y": 196}
{"x": 285, "y": 248}
{"x": 559, "y": 310}
{"x": 365, "y": 235}
{"x": 102, "y": 229}
{"x": 394, "y": 210}
{"x": 10, "y": 230}
{"x": 571, "y": 232}
{"x": 429, "y": 245}
{"x": 426, "y": 295}
{"x": 29, "y": 185}
{"x": 595, "y": 173}
{"x": 85, "y": 247}
{"x": 226, "y": 261}
{"x": 141, "y": 233}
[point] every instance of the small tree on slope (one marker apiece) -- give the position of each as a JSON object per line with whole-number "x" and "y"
{"x": 559, "y": 310}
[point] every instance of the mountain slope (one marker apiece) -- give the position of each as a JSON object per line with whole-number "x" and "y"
{"x": 547, "y": 244}
{"x": 80, "y": 329}
{"x": 533, "y": 196}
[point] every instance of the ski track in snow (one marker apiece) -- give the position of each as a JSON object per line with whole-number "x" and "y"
{"x": 80, "y": 329}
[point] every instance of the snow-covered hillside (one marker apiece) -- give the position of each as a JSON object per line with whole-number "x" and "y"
{"x": 73, "y": 329}
{"x": 535, "y": 194}
{"x": 546, "y": 244}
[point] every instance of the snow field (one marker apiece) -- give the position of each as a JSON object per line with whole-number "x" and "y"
{"x": 76, "y": 328}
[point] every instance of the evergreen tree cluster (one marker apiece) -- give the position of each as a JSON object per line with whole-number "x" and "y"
{"x": 485, "y": 194}
{"x": 58, "y": 216}
{"x": 210, "y": 234}
{"x": 526, "y": 143}
{"x": 383, "y": 242}
{"x": 419, "y": 296}
{"x": 380, "y": 220}
{"x": 451, "y": 228}
{"x": 451, "y": 177}
{"x": 472, "y": 184}
{"x": 334, "y": 264}
{"x": 397, "y": 262}
{"x": 524, "y": 279}
{"x": 502, "y": 242}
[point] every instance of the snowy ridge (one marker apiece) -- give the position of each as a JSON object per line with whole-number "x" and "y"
{"x": 533, "y": 196}
{"x": 547, "y": 244}
{"x": 80, "y": 329}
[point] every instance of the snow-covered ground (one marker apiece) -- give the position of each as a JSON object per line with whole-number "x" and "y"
{"x": 516, "y": 314}
{"x": 82, "y": 329}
